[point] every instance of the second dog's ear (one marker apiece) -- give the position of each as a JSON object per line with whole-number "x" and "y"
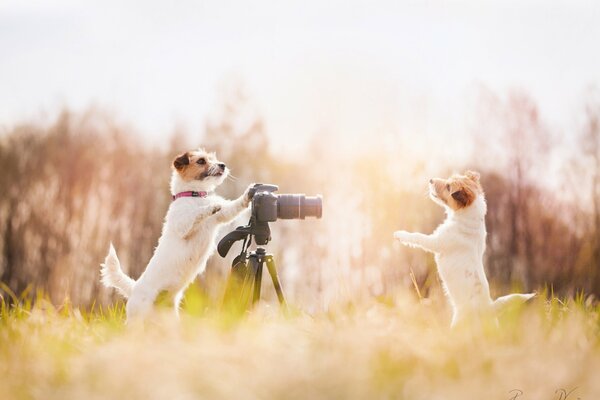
{"x": 181, "y": 161}
{"x": 473, "y": 175}
{"x": 461, "y": 197}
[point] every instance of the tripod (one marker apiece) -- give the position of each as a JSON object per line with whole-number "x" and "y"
{"x": 244, "y": 283}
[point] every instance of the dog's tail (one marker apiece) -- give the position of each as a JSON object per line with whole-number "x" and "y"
{"x": 512, "y": 299}
{"x": 113, "y": 276}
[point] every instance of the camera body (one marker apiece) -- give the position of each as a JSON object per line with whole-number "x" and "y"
{"x": 268, "y": 206}
{"x": 264, "y": 202}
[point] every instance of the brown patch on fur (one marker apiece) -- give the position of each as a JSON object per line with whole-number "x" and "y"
{"x": 458, "y": 191}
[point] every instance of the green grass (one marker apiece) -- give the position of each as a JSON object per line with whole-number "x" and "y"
{"x": 395, "y": 348}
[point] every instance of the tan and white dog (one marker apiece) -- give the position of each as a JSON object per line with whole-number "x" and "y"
{"x": 188, "y": 234}
{"x": 458, "y": 244}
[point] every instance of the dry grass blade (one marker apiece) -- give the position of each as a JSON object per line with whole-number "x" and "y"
{"x": 414, "y": 282}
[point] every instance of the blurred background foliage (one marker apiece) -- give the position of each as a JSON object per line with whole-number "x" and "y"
{"x": 72, "y": 186}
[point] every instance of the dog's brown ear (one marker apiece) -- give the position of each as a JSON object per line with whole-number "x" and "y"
{"x": 462, "y": 197}
{"x": 181, "y": 161}
{"x": 473, "y": 175}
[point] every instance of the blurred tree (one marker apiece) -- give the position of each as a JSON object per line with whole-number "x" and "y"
{"x": 73, "y": 186}
{"x": 590, "y": 146}
{"x": 515, "y": 142}
{"x": 65, "y": 202}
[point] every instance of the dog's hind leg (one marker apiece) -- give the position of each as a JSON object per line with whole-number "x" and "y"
{"x": 176, "y": 302}
{"x": 457, "y": 319}
{"x": 140, "y": 304}
{"x": 512, "y": 299}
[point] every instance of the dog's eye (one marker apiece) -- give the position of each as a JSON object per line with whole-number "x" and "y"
{"x": 448, "y": 187}
{"x": 201, "y": 161}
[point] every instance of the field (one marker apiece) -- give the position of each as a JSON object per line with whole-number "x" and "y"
{"x": 368, "y": 107}
{"x": 396, "y": 348}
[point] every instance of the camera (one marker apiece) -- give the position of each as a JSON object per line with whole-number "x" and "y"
{"x": 268, "y": 206}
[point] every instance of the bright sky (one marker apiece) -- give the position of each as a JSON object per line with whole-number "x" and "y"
{"x": 348, "y": 67}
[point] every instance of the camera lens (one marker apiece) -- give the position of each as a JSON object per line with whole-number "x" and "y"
{"x": 299, "y": 206}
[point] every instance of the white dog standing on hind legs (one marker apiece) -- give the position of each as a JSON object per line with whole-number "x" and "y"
{"x": 458, "y": 244}
{"x": 188, "y": 235}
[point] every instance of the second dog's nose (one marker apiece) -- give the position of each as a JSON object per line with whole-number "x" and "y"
{"x": 431, "y": 181}
{"x": 222, "y": 166}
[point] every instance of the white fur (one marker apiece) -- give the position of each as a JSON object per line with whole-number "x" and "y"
{"x": 187, "y": 241}
{"x": 458, "y": 244}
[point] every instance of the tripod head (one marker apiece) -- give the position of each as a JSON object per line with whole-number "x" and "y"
{"x": 259, "y": 230}
{"x": 256, "y": 227}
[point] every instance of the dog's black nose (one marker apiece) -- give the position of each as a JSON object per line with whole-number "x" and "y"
{"x": 222, "y": 166}
{"x": 431, "y": 181}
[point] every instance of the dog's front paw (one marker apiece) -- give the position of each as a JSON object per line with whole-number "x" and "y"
{"x": 402, "y": 236}
{"x": 249, "y": 194}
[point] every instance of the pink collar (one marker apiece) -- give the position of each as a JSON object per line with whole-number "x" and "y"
{"x": 190, "y": 194}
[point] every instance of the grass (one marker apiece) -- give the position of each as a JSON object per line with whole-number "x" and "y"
{"x": 382, "y": 348}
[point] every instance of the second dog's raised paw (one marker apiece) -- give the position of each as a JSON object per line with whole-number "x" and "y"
{"x": 406, "y": 238}
{"x": 401, "y": 235}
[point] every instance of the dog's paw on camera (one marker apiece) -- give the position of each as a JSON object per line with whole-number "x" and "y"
{"x": 249, "y": 193}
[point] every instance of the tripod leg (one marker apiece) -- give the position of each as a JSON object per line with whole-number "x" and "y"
{"x": 238, "y": 291}
{"x": 258, "y": 269}
{"x": 273, "y": 272}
